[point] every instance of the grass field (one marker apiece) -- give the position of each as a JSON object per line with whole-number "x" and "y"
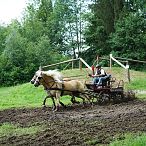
{"x": 130, "y": 140}
{"x": 21, "y": 95}
{"x": 26, "y": 95}
{"x": 8, "y": 129}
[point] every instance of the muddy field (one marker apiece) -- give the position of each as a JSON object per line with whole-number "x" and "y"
{"x": 77, "y": 125}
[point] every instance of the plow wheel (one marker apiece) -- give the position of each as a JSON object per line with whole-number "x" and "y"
{"x": 129, "y": 95}
{"x": 103, "y": 98}
{"x": 117, "y": 97}
{"x": 91, "y": 95}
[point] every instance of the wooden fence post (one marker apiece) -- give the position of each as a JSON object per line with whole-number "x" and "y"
{"x": 128, "y": 71}
{"x": 40, "y": 68}
{"x": 110, "y": 62}
{"x": 72, "y": 64}
{"x": 80, "y": 64}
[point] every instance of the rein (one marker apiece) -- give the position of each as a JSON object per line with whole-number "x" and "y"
{"x": 60, "y": 89}
{"x": 53, "y": 81}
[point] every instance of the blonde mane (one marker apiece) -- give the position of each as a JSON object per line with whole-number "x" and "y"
{"x": 55, "y": 74}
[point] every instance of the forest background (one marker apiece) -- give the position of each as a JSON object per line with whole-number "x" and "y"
{"x": 55, "y": 30}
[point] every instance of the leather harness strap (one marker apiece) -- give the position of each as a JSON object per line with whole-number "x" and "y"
{"x": 62, "y": 91}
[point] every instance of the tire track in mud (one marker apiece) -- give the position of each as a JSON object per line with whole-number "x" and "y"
{"x": 77, "y": 125}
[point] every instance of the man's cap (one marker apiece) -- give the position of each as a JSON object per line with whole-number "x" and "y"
{"x": 98, "y": 65}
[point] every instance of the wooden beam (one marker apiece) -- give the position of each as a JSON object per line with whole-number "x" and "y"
{"x": 60, "y": 63}
{"x": 140, "y": 61}
{"x": 86, "y": 64}
{"x": 118, "y": 62}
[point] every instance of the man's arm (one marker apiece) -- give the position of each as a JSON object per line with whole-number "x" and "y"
{"x": 95, "y": 75}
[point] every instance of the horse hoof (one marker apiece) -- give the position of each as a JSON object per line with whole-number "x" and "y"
{"x": 54, "y": 108}
{"x": 75, "y": 102}
{"x": 44, "y": 106}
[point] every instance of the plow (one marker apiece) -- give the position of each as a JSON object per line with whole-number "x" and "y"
{"x": 111, "y": 91}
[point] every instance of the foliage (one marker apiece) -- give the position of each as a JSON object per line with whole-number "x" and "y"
{"x": 101, "y": 19}
{"x": 3, "y": 34}
{"x": 116, "y": 26}
{"x": 52, "y": 31}
{"x": 129, "y": 38}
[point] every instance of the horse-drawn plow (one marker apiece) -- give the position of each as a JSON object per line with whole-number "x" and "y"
{"x": 111, "y": 91}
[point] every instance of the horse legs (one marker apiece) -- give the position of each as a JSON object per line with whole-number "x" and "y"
{"x": 54, "y": 105}
{"x": 58, "y": 101}
{"x": 62, "y": 104}
{"x": 73, "y": 100}
{"x": 82, "y": 99}
{"x": 44, "y": 102}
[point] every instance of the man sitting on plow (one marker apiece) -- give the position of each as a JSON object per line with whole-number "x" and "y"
{"x": 100, "y": 76}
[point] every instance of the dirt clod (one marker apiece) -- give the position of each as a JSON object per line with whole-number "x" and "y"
{"x": 76, "y": 125}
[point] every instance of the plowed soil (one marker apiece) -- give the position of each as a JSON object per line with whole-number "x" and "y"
{"x": 76, "y": 125}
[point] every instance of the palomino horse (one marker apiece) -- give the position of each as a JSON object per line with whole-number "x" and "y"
{"x": 56, "y": 87}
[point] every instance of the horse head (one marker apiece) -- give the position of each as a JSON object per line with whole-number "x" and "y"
{"x": 33, "y": 79}
{"x": 37, "y": 79}
{"x": 46, "y": 77}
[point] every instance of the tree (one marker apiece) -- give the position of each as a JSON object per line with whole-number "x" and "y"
{"x": 102, "y": 19}
{"x": 15, "y": 46}
{"x": 3, "y": 34}
{"x": 129, "y": 38}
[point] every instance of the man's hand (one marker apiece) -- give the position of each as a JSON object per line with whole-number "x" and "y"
{"x": 90, "y": 75}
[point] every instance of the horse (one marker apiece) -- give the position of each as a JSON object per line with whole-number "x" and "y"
{"x": 56, "y": 87}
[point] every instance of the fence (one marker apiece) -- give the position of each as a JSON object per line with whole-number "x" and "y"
{"x": 111, "y": 60}
{"x": 121, "y": 61}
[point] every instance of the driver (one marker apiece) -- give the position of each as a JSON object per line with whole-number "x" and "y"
{"x": 99, "y": 76}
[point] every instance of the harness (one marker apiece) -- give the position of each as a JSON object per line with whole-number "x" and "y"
{"x": 56, "y": 88}
{"x": 62, "y": 91}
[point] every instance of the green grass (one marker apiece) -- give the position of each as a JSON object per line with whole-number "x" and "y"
{"x": 141, "y": 96}
{"x": 26, "y": 95}
{"x": 137, "y": 84}
{"x": 7, "y": 130}
{"x": 131, "y": 140}
{"x": 93, "y": 142}
{"x": 21, "y": 95}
